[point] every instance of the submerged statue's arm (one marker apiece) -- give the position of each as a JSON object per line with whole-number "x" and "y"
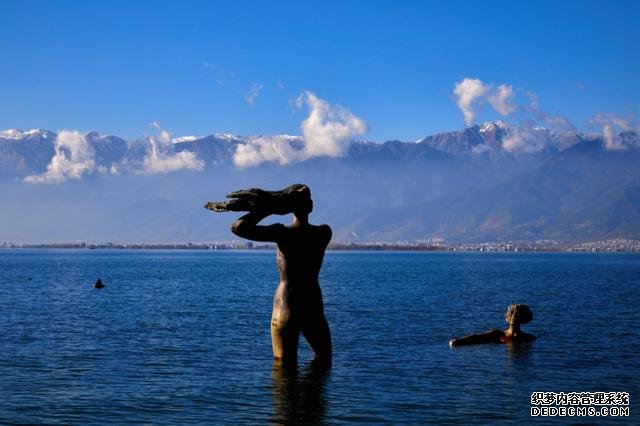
{"x": 491, "y": 336}
{"x": 516, "y": 315}
{"x": 247, "y": 227}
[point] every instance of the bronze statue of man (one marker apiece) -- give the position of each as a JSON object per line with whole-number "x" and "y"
{"x": 297, "y": 303}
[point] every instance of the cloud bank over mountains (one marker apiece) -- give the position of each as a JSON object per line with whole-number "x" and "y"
{"x": 488, "y": 182}
{"x": 458, "y": 186}
{"x": 74, "y": 157}
{"x": 327, "y": 130}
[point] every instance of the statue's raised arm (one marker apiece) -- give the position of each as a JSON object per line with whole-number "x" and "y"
{"x": 271, "y": 202}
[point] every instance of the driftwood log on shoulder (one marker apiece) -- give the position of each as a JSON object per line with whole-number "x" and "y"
{"x": 272, "y": 202}
{"x": 230, "y": 206}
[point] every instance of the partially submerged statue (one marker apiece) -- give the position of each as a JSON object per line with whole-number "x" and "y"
{"x": 515, "y": 315}
{"x": 297, "y": 303}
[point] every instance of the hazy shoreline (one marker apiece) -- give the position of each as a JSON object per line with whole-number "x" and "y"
{"x": 607, "y": 246}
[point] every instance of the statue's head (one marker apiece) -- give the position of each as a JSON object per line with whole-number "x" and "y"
{"x": 301, "y": 194}
{"x": 518, "y": 314}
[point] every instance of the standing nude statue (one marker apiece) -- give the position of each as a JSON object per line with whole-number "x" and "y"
{"x": 516, "y": 315}
{"x": 297, "y": 303}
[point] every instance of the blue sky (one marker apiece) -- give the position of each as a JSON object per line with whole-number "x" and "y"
{"x": 116, "y": 66}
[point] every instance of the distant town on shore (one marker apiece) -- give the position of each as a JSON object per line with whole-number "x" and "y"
{"x": 605, "y": 246}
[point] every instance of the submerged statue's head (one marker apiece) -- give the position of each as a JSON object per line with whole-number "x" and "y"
{"x": 518, "y": 314}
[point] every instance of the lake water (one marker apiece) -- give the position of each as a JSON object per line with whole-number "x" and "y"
{"x": 181, "y": 337}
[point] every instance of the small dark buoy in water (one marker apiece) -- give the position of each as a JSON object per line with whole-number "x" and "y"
{"x": 98, "y": 284}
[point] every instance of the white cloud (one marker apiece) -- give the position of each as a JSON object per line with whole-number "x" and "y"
{"x": 611, "y": 125}
{"x": 327, "y": 130}
{"x": 501, "y": 99}
{"x": 73, "y": 158}
{"x": 253, "y": 93}
{"x": 471, "y": 93}
{"x": 554, "y": 122}
{"x": 558, "y": 123}
{"x": 467, "y": 91}
{"x": 523, "y": 140}
{"x": 162, "y": 158}
{"x": 267, "y": 148}
{"x": 163, "y": 135}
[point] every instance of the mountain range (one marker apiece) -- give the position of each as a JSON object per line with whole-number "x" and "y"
{"x": 488, "y": 182}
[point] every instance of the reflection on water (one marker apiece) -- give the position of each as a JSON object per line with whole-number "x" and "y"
{"x": 298, "y": 396}
{"x": 519, "y": 351}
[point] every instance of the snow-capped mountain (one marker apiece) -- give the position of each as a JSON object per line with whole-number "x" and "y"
{"x": 492, "y": 181}
{"x": 17, "y": 134}
{"x": 26, "y": 152}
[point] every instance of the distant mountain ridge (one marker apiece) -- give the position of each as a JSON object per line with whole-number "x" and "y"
{"x": 489, "y": 182}
{"x": 23, "y": 152}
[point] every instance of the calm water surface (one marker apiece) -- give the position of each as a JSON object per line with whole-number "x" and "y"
{"x": 182, "y": 337}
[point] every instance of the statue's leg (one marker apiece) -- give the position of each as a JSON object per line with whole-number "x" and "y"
{"x": 284, "y": 340}
{"x": 318, "y": 335}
